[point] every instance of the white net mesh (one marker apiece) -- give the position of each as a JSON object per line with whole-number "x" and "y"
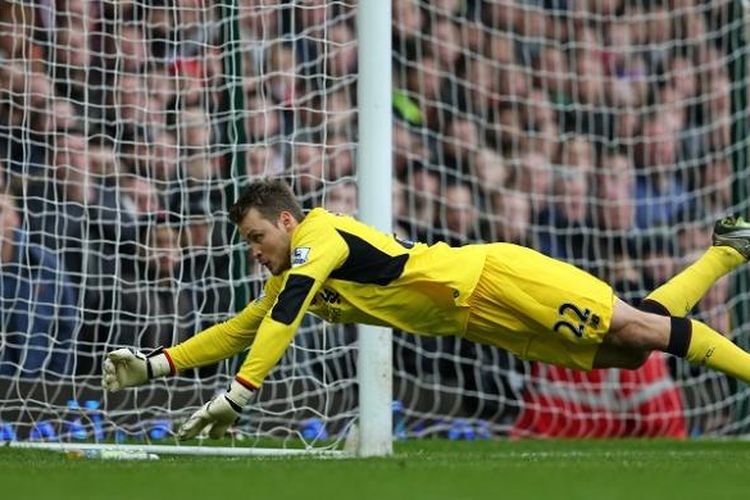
{"x": 604, "y": 133}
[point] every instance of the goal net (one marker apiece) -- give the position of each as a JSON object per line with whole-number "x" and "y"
{"x": 609, "y": 134}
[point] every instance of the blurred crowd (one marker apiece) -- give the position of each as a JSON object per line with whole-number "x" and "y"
{"x": 597, "y": 131}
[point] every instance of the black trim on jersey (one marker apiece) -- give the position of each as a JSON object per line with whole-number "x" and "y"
{"x": 367, "y": 264}
{"x": 291, "y": 298}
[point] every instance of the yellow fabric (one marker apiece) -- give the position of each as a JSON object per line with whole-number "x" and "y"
{"x": 225, "y": 339}
{"x": 430, "y": 296}
{"x": 517, "y": 306}
{"x": 680, "y": 294}
{"x": 711, "y": 349}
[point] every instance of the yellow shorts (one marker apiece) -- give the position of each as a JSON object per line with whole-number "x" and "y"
{"x": 539, "y": 308}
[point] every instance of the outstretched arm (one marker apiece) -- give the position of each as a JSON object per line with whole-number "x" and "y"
{"x": 324, "y": 251}
{"x": 126, "y": 368}
{"x": 274, "y": 335}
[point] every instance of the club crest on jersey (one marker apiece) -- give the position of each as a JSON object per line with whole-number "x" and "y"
{"x": 300, "y": 255}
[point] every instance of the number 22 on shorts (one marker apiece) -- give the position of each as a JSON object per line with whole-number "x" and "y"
{"x": 580, "y": 319}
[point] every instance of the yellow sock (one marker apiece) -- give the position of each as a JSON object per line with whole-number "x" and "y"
{"x": 710, "y": 348}
{"x": 680, "y": 294}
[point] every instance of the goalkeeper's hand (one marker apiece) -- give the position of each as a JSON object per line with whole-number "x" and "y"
{"x": 218, "y": 414}
{"x": 126, "y": 368}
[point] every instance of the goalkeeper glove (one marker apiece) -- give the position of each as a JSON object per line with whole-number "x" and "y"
{"x": 126, "y": 368}
{"x": 218, "y": 414}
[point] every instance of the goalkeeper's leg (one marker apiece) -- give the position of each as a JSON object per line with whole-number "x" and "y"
{"x": 634, "y": 334}
{"x": 731, "y": 248}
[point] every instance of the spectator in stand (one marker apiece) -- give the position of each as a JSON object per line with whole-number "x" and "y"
{"x": 70, "y": 57}
{"x": 713, "y": 307}
{"x": 715, "y": 188}
{"x": 504, "y": 15}
{"x": 474, "y": 36}
{"x": 341, "y": 198}
{"x": 490, "y": 172}
{"x": 204, "y": 272}
{"x": 308, "y": 22}
{"x": 661, "y": 197}
{"x": 153, "y": 308}
{"x": 657, "y": 252}
{"x": 340, "y": 114}
{"x": 263, "y": 123}
{"x": 131, "y": 49}
{"x": 627, "y": 85}
{"x": 103, "y": 162}
{"x": 341, "y": 51}
{"x": 533, "y": 175}
{"x": 194, "y": 141}
{"x": 408, "y": 147}
{"x": 625, "y": 127}
{"x": 718, "y": 109}
{"x": 283, "y": 82}
{"x": 502, "y": 49}
{"x": 162, "y": 86}
{"x": 457, "y": 218}
{"x": 589, "y": 115}
{"x": 615, "y": 174}
{"x": 140, "y": 195}
{"x": 263, "y": 160}
{"x": 400, "y": 210}
{"x": 553, "y": 75}
{"x": 164, "y": 160}
{"x": 309, "y": 169}
{"x": 21, "y": 94}
{"x": 129, "y": 104}
{"x": 615, "y": 210}
{"x": 566, "y": 232}
{"x": 514, "y": 85}
{"x": 478, "y": 87}
{"x": 511, "y": 217}
{"x": 446, "y": 40}
{"x": 260, "y": 25}
{"x": 58, "y": 117}
{"x": 159, "y": 24}
{"x": 199, "y": 168}
{"x": 12, "y": 31}
{"x": 538, "y": 112}
{"x": 660, "y": 38}
{"x": 339, "y": 153}
{"x": 57, "y": 212}
{"x": 530, "y": 25}
{"x": 422, "y": 77}
{"x": 460, "y": 144}
{"x": 684, "y": 109}
{"x": 39, "y": 313}
{"x": 407, "y": 22}
{"x": 422, "y": 201}
{"x": 577, "y": 152}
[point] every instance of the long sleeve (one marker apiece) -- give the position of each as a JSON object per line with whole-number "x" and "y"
{"x": 317, "y": 249}
{"x": 228, "y": 338}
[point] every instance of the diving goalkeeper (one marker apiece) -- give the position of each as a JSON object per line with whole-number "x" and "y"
{"x": 498, "y": 294}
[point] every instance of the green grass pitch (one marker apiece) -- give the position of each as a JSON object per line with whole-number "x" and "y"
{"x": 423, "y": 469}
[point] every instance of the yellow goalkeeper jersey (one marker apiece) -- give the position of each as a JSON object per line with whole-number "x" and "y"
{"x": 344, "y": 272}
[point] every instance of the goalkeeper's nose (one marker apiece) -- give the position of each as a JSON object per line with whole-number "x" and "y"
{"x": 255, "y": 254}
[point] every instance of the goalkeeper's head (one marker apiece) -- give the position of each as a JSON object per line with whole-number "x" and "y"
{"x": 266, "y": 214}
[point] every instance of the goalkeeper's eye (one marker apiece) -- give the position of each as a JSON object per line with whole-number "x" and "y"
{"x": 254, "y": 237}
